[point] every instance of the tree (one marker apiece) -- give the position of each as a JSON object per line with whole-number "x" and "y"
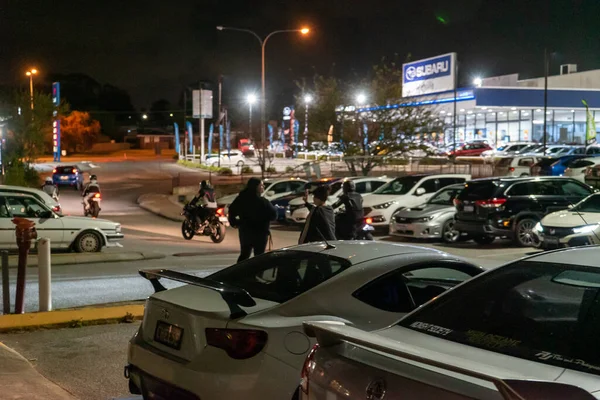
{"x": 79, "y": 131}
{"x": 159, "y": 112}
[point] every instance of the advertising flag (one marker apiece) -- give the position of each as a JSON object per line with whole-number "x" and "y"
{"x": 188, "y": 126}
{"x": 176, "y": 129}
{"x": 228, "y": 137}
{"x": 590, "y": 131}
{"x": 270, "y": 135}
{"x": 210, "y": 137}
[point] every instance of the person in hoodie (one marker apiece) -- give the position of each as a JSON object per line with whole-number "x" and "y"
{"x": 320, "y": 223}
{"x": 252, "y": 214}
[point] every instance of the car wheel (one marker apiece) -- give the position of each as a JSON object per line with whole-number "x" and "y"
{"x": 523, "y": 175}
{"x": 524, "y": 235}
{"x": 88, "y": 242}
{"x": 449, "y": 234}
{"x": 240, "y": 164}
{"x": 483, "y": 239}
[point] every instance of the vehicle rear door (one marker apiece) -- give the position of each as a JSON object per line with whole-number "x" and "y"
{"x": 469, "y": 203}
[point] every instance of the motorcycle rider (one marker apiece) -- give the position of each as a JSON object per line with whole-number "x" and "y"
{"x": 50, "y": 188}
{"x": 206, "y": 195}
{"x": 91, "y": 188}
{"x": 350, "y": 221}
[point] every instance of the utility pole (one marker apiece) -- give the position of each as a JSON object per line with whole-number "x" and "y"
{"x": 454, "y": 112}
{"x": 221, "y": 121}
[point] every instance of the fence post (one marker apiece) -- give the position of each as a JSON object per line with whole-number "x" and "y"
{"x": 5, "y": 284}
{"x": 44, "y": 276}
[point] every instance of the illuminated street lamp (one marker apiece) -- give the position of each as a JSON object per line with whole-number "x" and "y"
{"x": 250, "y": 99}
{"x": 145, "y": 116}
{"x": 263, "y": 43}
{"x": 30, "y": 74}
{"x": 361, "y": 98}
{"x": 307, "y": 100}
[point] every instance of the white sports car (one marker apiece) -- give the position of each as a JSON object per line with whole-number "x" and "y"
{"x": 237, "y": 334}
{"x": 526, "y": 330}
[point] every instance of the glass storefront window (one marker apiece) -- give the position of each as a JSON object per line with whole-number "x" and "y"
{"x": 562, "y": 131}
{"x": 525, "y": 130}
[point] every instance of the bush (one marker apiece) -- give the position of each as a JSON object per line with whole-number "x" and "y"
{"x": 289, "y": 169}
{"x": 271, "y": 170}
{"x": 191, "y": 164}
{"x": 20, "y": 175}
{"x": 246, "y": 169}
{"x": 225, "y": 171}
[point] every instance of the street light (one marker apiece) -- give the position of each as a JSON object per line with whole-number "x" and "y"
{"x": 478, "y": 82}
{"x": 361, "y": 98}
{"x": 144, "y": 116}
{"x": 30, "y": 74}
{"x": 251, "y": 99}
{"x": 307, "y": 100}
{"x": 263, "y": 43}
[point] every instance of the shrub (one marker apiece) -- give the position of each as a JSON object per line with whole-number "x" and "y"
{"x": 271, "y": 170}
{"x": 19, "y": 174}
{"x": 225, "y": 171}
{"x": 246, "y": 169}
{"x": 290, "y": 169}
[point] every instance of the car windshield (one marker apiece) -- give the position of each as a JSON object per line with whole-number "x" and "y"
{"x": 65, "y": 170}
{"x": 556, "y": 150}
{"x": 541, "y": 311}
{"x": 590, "y": 204}
{"x": 399, "y": 185}
{"x": 530, "y": 148}
{"x": 580, "y": 163}
{"x": 311, "y": 186}
{"x": 445, "y": 196}
{"x": 281, "y": 275}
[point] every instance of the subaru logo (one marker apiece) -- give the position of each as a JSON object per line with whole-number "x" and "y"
{"x": 552, "y": 231}
{"x": 376, "y": 389}
{"x": 411, "y": 72}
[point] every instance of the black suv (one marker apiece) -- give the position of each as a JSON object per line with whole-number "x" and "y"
{"x": 491, "y": 207}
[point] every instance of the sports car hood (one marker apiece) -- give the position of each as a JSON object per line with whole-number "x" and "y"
{"x": 374, "y": 199}
{"x": 425, "y": 210}
{"x": 569, "y": 219}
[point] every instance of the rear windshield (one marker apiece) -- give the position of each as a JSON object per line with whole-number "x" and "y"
{"x": 64, "y": 170}
{"x": 540, "y": 311}
{"x": 504, "y": 162}
{"x": 579, "y": 163}
{"x": 479, "y": 190}
{"x": 399, "y": 185}
{"x": 281, "y": 275}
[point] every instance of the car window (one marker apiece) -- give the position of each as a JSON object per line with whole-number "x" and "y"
{"x": 535, "y": 188}
{"x": 403, "y": 290}
{"x": 281, "y": 275}
{"x": 335, "y": 186}
{"x": 525, "y": 162}
{"x": 376, "y": 185}
{"x": 3, "y": 209}
{"x": 65, "y": 170}
{"x": 449, "y": 181}
{"x": 445, "y": 197}
{"x": 24, "y": 207}
{"x": 579, "y": 150}
{"x": 279, "y": 188}
{"x": 504, "y": 162}
{"x": 580, "y": 163}
{"x": 570, "y": 188}
{"x": 296, "y": 186}
{"x": 361, "y": 187}
{"x": 430, "y": 185}
{"x": 545, "y": 312}
{"x": 589, "y": 204}
{"x": 479, "y": 190}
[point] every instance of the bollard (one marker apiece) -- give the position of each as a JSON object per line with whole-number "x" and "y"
{"x": 5, "y": 284}
{"x": 44, "y": 275}
{"x": 25, "y": 232}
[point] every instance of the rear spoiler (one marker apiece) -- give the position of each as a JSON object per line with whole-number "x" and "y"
{"x": 233, "y": 296}
{"x": 330, "y": 334}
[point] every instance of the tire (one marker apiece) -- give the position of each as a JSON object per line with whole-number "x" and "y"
{"x": 187, "y": 231}
{"x": 449, "y": 234}
{"x": 95, "y": 211}
{"x": 219, "y": 236}
{"x": 88, "y": 242}
{"x": 524, "y": 235}
{"x": 240, "y": 164}
{"x": 524, "y": 175}
{"x": 483, "y": 239}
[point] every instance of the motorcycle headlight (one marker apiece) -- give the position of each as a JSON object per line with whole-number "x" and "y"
{"x": 384, "y": 205}
{"x": 586, "y": 228}
{"x": 288, "y": 207}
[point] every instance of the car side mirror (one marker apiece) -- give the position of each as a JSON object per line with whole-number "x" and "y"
{"x": 570, "y": 206}
{"x": 420, "y": 191}
{"x": 270, "y": 193}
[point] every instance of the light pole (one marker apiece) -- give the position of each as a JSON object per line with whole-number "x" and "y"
{"x": 251, "y": 99}
{"x": 30, "y": 74}
{"x": 307, "y": 100}
{"x": 361, "y": 98}
{"x": 263, "y": 43}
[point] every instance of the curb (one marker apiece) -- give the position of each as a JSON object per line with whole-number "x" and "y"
{"x": 92, "y": 258}
{"x": 142, "y": 202}
{"x": 59, "y": 318}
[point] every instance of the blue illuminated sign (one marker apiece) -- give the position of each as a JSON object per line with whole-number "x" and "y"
{"x": 428, "y": 69}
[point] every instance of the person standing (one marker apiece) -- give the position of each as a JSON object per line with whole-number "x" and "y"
{"x": 350, "y": 221}
{"x": 252, "y": 215}
{"x": 320, "y": 223}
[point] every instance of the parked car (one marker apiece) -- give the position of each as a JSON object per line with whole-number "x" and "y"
{"x": 432, "y": 220}
{"x": 511, "y": 207}
{"x": 471, "y": 149}
{"x": 282, "y": 203}
{"x": 577, "y": 226}
{"x": 42, "y": 196}
{"x": 577, "y": 168}
{"x": 364, "y": 185}
{"x": 274, "y": 189}
{"x": 226, "y": 159}
{"x": 237, "y": 334}
{"x": 554, "y": 166}
{"x": 383, "y": 204}
{"x": 505, "y": 149}
{"x": 543, "y": 166}
{"x": 68, "y": 175}
{"x": 531, "y": 148}
{"x": 514, "y": 165}
{"x": 525, "y": 330}
{"x": 77, "y": 233}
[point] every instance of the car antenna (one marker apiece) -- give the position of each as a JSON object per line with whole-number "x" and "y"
{"x": 573, "y": 208}
{"x": 329, "y": 245}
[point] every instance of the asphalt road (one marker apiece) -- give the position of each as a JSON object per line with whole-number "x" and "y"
{"x": 89, "y": 361}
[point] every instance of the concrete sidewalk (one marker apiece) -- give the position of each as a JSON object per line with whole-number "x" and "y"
{"x": 88, "y": 258}
{"x": 19, "y": 380}
{"x": 161, "y": 204}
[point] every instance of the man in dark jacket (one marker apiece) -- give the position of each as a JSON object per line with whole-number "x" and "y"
{"x": 206, "y": 198}
{"x": 350, "y": 221}
{"x": 252, "y": 214}
{"x": 320, "y": 223}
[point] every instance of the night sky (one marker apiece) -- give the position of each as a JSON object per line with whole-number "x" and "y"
{"x": 152, "y": 48}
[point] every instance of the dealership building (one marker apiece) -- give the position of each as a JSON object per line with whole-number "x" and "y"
{"x": 502, "y": 108}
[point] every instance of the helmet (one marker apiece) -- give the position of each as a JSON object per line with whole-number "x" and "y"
{"x": 93, "y": 178}
{"x": 348, "y": 186}
{"x": 49, "y": 179}
{"x": 204, "y": 184}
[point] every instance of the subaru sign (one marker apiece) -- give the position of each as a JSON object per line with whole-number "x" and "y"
{"x": 431, "y": 75}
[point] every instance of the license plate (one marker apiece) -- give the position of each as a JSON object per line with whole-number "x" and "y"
{"x": 224, "y": 221}
{"x": 64, "y": 178}
{"x": 551, "y": 240}
{"x": 469, "y": 209}
{"x": 168, "y": 334}
{"x": 401, "y": 227}
{"x": 98, "y": 200}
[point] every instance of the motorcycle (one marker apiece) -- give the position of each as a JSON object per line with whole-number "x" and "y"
{"x": 214, "y": 225}
{"x": 93, "y": 206}
{"x": 366, "y": 230}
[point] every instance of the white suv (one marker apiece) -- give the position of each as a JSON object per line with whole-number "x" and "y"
{"x": 406, "y": 191}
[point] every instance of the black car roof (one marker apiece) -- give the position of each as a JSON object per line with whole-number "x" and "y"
{"x": 519, "y": 179}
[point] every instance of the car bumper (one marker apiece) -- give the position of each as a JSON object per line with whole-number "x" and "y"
{"x": 379, "y": 219}
{"x": 113, "y": 239}
{"x": 574, "y": 240}
{"x": 479, "y": 228}
{"x": 296, "y": 217}
{"x": 423, "y": 230}
{"x": 67, "y": 182}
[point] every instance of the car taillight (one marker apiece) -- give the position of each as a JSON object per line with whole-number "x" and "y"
{"x": 56, "y": 208}
{"x": 74, "y": 171}
{"x": 54, "y": 171}
{"x": 456, "y": 202}
{"x": 239, "y": 344}
{"x": 490, "y": 203}
{"x": 97, "y": 195}
{"x": 220, "y": 211}
{"x": 511, "y": 169}
{"x": 309, "y": 365}
{"x": 368, "y": 221}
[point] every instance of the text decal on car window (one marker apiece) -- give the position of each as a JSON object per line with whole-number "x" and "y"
{"x": 547, "y": 356}
{"x": 430, "y": 328}
{"x": 491, "y": 341}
